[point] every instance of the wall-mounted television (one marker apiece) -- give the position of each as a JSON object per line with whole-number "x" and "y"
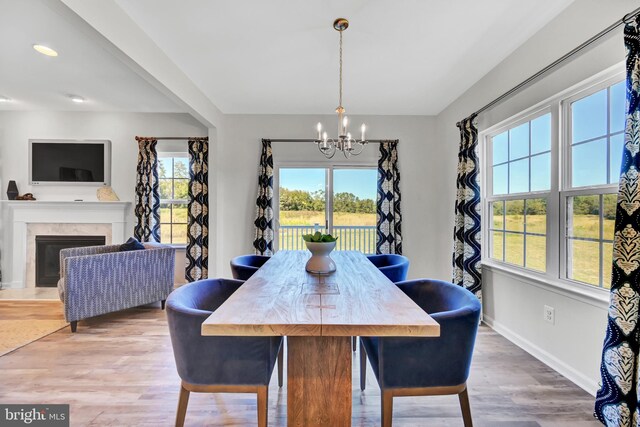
{"x": 69, "y": 162}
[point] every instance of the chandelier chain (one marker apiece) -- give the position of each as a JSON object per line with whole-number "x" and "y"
{"x": 340, "y": 101}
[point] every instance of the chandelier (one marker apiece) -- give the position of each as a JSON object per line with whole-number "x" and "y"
{"x": 344, "y": 141}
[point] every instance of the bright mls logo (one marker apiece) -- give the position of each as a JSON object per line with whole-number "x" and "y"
{"x": 34, "y": 415}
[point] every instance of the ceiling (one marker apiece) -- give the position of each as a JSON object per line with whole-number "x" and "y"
{"x": 84, "y": 66}
{"x": 281, "y": 56}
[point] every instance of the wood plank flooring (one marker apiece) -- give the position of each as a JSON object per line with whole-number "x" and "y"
{"x": 118, "y": 370}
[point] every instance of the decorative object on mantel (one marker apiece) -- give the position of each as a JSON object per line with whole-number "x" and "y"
{"x": 344, "y": 142}
{"x": 320, "y": 245}
{"x": 106, "y": 194}
{"x": 12, "y": 190}
{"x": 26, "y": 196}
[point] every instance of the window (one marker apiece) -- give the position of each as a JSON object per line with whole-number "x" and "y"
{"x": 518, "y": 232}
{"x": 341, "y": 200}
{"x": 594, "y": 152}
{"x": 589, "y": 238}
{"x": 521, "y": 181}
{"x": 174, "y": 183}
{"x": 522, "y": 157}
{"x": 551, "y": 184}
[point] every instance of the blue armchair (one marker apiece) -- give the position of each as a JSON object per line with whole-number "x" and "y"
{"x": 244, "y": 266}
{"x": 427, "y": 366}
{"x": 395, "y": 267}
{"x": 216, "y": 364}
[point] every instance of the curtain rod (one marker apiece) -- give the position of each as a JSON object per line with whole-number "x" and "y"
{"x": 160, "y": 138}
{"x": 372, "y": 141}
{"x": 625, "y": 19}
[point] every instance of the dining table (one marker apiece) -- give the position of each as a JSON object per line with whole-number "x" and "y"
{"x": 319, "y": 315}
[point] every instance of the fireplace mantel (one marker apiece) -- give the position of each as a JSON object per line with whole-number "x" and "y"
{"x": 19, "y": 214}
{"x": 64, "y": 208}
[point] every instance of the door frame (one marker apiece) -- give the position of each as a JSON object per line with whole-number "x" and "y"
{"x": 328, "y": 185}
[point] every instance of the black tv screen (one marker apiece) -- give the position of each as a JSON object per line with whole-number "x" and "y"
{"x": 67, "y": 162}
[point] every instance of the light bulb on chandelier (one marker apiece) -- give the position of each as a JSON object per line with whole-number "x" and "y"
{"x": 344, "y": 141}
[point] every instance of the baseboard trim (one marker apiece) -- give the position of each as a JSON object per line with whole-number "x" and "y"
{"x": 544, "y": 356}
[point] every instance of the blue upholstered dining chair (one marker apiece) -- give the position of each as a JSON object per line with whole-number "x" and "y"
{"x": 210, "y": 364}
{"x": 395, "y": 267}
{"x": 244, "y": 266}
{"x": 427, "y": 366}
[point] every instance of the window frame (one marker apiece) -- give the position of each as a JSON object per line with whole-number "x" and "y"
{"x": 489, "y": 197}
{"x": 567, "y": 190}
{"x": 172, "y": 155}
{"x": 560, "y": 168}
{"x": 568, "y": 130}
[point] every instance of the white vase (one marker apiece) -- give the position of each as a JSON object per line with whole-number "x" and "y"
{"x": 320, "y": 261}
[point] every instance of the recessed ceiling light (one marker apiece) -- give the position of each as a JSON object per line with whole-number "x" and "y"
{"x": 45, "y": 50}
{"x": 76, "y": 98}
{"x": 4, "y": 99}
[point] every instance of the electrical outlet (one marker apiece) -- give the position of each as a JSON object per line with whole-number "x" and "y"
{"x": 549, "y": 314}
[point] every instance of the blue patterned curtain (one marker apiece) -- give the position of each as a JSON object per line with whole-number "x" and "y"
{"x": 466, "y": 234}
{"x": 617, "y": 399}
{"x": 197, "y": 266}
{"x": 147, "y": 209}
{"x": 389, "y": 221}
{"x": 263, "y": 242}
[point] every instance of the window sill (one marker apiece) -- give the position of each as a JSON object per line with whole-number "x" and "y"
{"x": 598, "y": 297}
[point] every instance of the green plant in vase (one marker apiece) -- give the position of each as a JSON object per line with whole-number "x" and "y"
{"x": 318, "y": 237}
{"x": 320, "y": 245}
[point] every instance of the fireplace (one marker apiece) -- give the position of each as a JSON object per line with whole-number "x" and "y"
{"x": 48, "y": 255}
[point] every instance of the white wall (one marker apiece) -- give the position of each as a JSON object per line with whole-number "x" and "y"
{"x": 514, "y": 306}
{"x": 16, "y": 128}
{"x": 237, "y": 164}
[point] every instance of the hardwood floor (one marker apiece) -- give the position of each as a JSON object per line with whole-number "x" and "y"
{"x": 118, "y": 370}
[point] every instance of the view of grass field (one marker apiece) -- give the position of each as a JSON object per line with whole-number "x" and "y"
{"x": 176, "y": 232}
{"x": 585, "y": 255}
{"x": 316, "y": 217}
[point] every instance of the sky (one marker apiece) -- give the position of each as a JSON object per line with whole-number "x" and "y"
{"x": 361, "y": 182}
{"x": 596, "y": 150}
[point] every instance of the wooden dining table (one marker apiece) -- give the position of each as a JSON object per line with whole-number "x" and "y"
{"x": 319, "y": 315}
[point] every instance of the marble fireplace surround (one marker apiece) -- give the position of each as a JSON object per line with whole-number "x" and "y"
{"x": 24, "y": 220}
{"x": 50, "y": 229}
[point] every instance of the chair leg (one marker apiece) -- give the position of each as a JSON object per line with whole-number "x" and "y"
{"x": 466, "y": 408}
{"x": 162, "y": 304}
{"x": 74, "y": 325}
{"x": 355, "y": 343}
{"x": 280, "y": 365}
{"x": 263, "y": 408}
{"x": 363, "y": 368}
{"x": 183, "y": 401}
{"x": 387, "y": 407}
